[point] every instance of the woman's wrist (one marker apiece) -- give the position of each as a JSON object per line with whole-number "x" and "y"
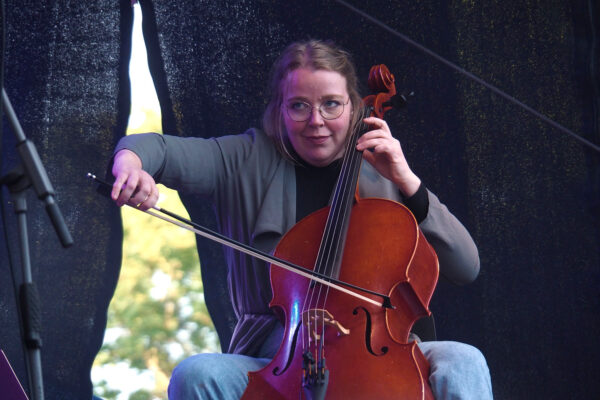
{"x": 409, "y": 186}
{"x": 127, "y": 157}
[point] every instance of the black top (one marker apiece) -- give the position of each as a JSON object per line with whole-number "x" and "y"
{"x": 314, "y": 186}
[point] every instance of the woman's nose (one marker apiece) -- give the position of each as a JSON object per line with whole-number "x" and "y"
{"x": 316, "y": 119}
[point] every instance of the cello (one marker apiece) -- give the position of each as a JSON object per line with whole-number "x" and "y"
{"x": 336, "y": 346}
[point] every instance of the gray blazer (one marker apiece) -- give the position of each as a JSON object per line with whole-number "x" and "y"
{"x": 253, "y": 192}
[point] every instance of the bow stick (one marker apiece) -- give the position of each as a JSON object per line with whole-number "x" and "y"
{"x": 224, "y": 240}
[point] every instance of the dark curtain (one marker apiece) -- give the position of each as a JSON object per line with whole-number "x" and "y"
{"x": 528, "y": 193}
{"x": 62, "y": 64}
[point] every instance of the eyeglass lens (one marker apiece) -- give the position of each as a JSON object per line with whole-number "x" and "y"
{"x": 301, "y": 111}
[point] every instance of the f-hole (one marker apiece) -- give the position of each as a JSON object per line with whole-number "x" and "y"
{"x": 368, "y": 332}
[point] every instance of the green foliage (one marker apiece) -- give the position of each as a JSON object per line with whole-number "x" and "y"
{"x": 141, "y": 395}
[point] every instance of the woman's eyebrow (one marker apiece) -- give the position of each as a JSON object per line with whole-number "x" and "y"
{"x": 324, "y": 97}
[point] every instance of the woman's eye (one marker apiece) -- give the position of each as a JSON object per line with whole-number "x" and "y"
{"x": 331, "y": 104}
{"x": 299, "y": 106}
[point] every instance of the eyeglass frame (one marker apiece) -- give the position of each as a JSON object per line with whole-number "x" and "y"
{"x": 287, "y": 109}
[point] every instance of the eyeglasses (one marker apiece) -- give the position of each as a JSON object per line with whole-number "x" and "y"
{"x": 300, "y": 111}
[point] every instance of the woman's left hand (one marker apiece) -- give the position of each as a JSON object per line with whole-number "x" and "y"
{"x": 383, "y": 151}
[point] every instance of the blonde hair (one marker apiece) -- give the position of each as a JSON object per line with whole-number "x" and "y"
{"x": 313, "y": 54}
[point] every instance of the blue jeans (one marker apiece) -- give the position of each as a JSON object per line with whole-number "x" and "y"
{"x": 458, "y": 371}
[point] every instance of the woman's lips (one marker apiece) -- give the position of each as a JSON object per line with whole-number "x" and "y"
{"x": 317, "y": 139}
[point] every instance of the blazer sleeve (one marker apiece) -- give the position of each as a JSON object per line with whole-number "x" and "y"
{"x": 190, "y": 164}
{"x": 454, "y": 246}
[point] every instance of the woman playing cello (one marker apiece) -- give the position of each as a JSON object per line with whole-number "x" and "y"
{"x": 264, "y": 181}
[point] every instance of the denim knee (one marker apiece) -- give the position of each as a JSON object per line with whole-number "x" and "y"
{"x": 191, "y": 376}
{"x": 458, "y": 371}
{"x": 212, "y": 376}
{"x": 453, "y": 353}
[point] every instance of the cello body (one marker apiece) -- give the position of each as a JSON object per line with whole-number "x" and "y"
{"x": 365, "y": 346}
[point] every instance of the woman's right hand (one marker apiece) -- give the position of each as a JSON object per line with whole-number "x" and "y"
{"x": 133, "y": 186}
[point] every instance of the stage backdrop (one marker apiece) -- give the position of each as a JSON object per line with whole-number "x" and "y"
{"x": 527, "y": 192}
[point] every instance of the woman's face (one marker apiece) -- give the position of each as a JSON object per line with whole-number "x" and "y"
{"x": 317, "y": 140}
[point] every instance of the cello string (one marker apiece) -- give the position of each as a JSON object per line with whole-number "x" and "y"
{"x": 330, "y": 237}
{"x": 312, "y": 296}
{"x": 344, "y": 196}
{"x": 330, "y": 245}
{"x": 472, "y": 76}
{"x": 352, "y": 161}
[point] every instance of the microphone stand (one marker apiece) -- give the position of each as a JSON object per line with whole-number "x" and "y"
{"x": 31, "y": 172}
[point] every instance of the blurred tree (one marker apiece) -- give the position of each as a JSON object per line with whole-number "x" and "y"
{"x": 158, "y": 307}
